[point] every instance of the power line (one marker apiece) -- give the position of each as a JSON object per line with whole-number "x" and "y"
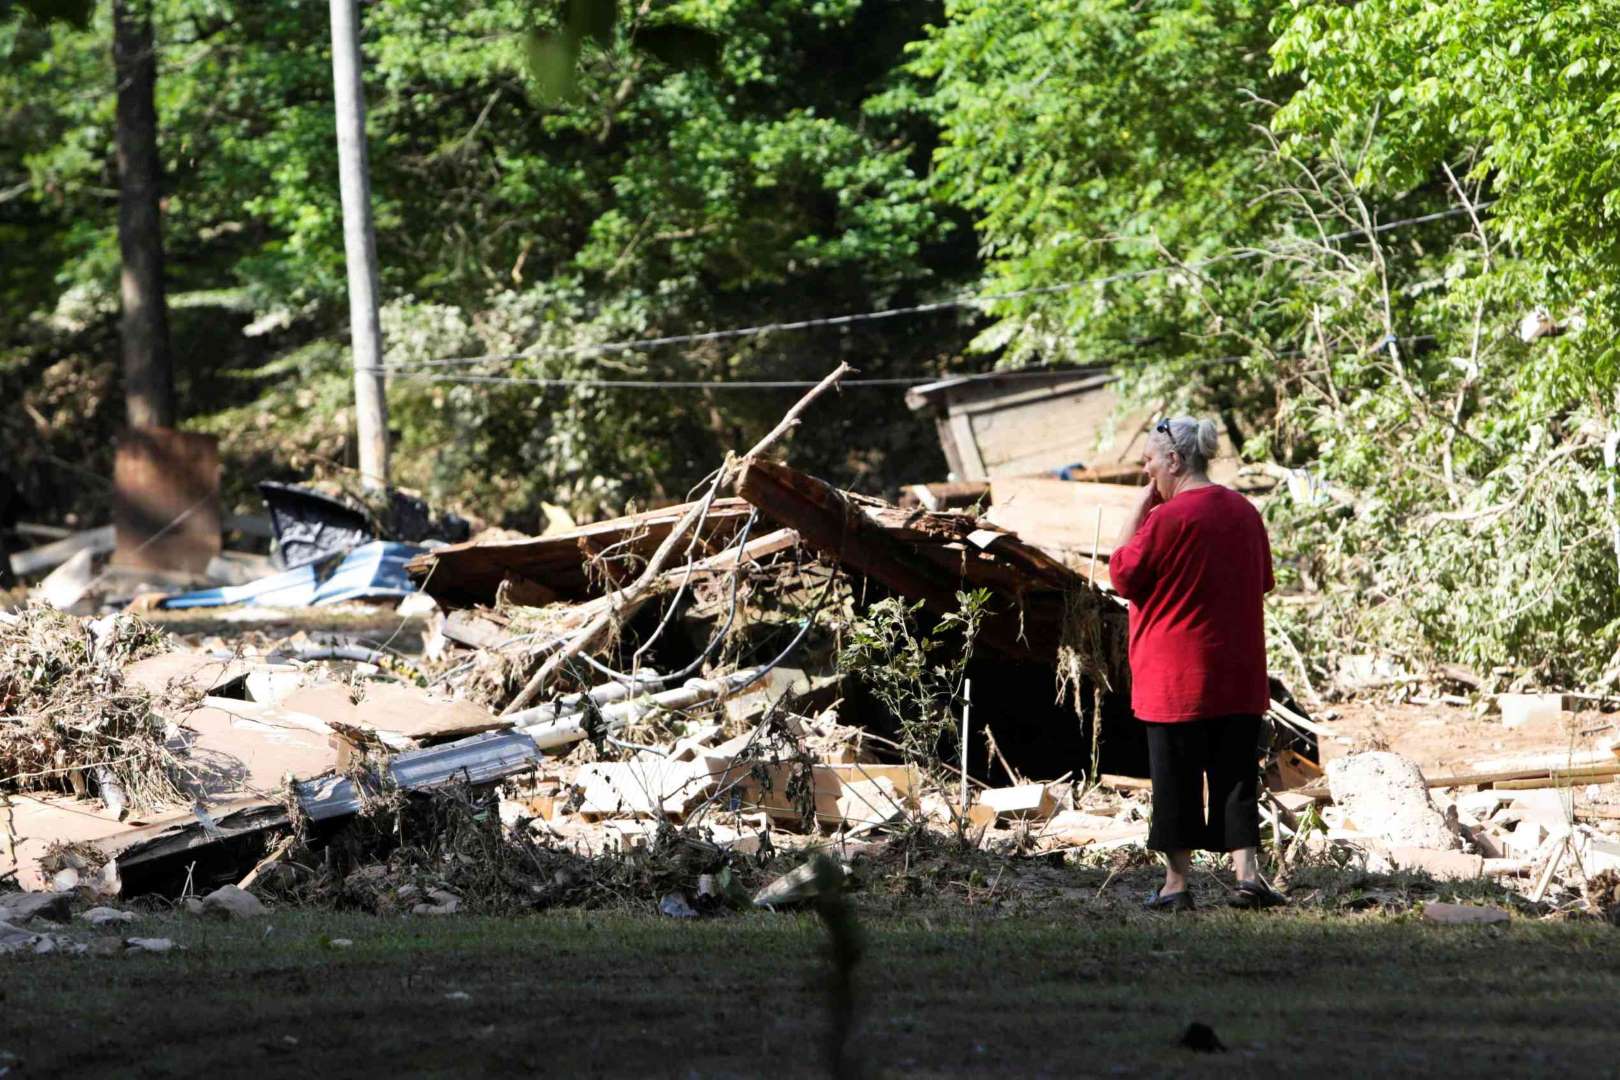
{"x": 964, "y": 301}
{"x": 799, "y": 384}
{"x": 766, "y": 384}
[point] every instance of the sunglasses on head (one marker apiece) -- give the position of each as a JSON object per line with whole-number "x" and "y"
{"x": 1162, "y": 427}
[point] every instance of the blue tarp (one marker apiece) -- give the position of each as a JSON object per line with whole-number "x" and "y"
{"x": 370, "y": 571}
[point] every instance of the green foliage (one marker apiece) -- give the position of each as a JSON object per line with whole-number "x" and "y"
{"x": 1134, "y": 140}
{"x": 1100, "y": 137}
{"x": 711, "y": 165}
{"x": 1521, "y": 98}
{"x": 914, "y": 672}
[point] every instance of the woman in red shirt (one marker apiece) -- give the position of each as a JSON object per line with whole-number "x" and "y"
{"x": 1195, "y": 564}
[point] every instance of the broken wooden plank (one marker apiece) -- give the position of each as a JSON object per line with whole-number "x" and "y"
{"x": 465, "y": 575}
{"x": 1022, "y": 801}
{"x": 37, "y": 560}
{"x": 834, "y": 524}
{"x": 1559, "y": 778}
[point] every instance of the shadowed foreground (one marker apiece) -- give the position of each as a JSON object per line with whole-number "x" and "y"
{"x": 604, "y": 994}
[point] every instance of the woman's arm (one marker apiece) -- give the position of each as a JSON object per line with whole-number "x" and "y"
{"x": 1150, "y": 498}
{"x": 1130, "y": 568}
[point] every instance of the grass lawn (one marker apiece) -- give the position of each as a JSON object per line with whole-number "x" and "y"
{"x": 571, "y": 993}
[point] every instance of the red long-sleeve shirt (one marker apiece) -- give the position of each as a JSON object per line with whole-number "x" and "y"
{"x": 1196, "y": 574}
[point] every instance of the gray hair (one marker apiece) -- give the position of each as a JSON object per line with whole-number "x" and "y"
{"x": 1197, "y": 441}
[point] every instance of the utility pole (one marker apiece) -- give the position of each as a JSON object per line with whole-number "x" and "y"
{"x": 359, "y": 246}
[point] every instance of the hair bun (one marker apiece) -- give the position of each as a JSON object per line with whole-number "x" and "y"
{"x": 1209, "y": 440}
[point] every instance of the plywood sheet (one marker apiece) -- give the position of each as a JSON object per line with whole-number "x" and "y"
{"x": 232, "y": 752}
{"x": 166, "y": 500}
{"x": 180, "y": 673}
{"x": 395, "y": 708}
{"x": 1061, "y": 516}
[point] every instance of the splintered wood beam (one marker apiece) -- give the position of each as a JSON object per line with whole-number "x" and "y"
{"x": 468, "y": 574}
{"x": 828, "y": 522}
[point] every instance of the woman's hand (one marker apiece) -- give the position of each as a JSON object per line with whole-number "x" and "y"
{"x": 1150, "y": 498}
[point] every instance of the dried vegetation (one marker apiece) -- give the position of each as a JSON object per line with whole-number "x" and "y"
{"x": 68, "y": 720}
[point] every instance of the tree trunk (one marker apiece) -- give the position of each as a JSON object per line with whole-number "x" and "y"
{"x": 148, "y": 374}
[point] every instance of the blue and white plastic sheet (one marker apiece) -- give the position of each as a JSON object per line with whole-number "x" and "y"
{"x": 369, "y": 572}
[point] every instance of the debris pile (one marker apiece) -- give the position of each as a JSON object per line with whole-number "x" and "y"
{"x": 69, "y": 721}
{"x": 662, "y": 709}
{"x": 664, "y": 683}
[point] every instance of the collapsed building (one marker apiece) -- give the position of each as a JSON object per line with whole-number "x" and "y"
{"x": 684, "y": 671}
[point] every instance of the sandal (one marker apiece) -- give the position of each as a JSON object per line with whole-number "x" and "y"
{"x": 1172, "y": 902}
{"x": 1257, "y": 895}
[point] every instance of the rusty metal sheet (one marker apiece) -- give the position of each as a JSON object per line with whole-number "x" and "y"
{"x": 166, "y": 500}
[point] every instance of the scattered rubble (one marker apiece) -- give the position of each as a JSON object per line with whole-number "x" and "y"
{"x": 650, "y": 711}
{"x": 15, "y": 939}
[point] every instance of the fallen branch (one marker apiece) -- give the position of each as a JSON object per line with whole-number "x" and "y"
{"x": 592, "y": 632}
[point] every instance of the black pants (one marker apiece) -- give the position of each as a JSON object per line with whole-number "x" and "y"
{"x": 1225, "y": 749}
